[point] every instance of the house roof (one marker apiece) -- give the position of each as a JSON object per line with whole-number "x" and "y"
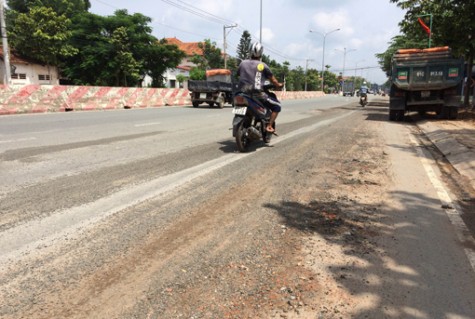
{"x": 190, "y": 48}
{"x": 16, "y": 59}
{"x": 184, "y": 67}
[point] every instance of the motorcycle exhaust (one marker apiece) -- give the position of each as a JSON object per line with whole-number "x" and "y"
{"x": 254, "y": 133}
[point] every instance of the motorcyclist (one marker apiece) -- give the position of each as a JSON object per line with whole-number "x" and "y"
{"x": 364, "y": 91}
{"x": 252, "y": 75}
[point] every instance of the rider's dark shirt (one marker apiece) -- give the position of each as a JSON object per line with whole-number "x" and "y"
{"x": 253, "y": 74}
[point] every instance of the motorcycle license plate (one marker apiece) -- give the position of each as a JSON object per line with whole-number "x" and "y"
{"x": 240, "y": 110}
{"x": 425, "y": 93}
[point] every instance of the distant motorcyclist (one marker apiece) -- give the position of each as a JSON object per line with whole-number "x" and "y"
{"x": 364, "y": 89}
{"x": 252, "y": 75}
{"x": 363, "y": 94}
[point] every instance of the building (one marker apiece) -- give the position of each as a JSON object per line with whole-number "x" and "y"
{"x": 190, "y": 49}
{"x": 26, "y": 71}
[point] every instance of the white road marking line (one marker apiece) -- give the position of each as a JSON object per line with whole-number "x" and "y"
{"x": 453, "y": 212}
{"x": 147, "y": 124}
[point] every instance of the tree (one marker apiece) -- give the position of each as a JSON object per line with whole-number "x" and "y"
{"x": 41, "y": 34}
{"x": 452, "y": 22}
{"x": 453, "y": 25}
{"x": 123, "y": 62}
{"x": 397, "y": 42}
{"x": 211, "y": 57}
{"x": 93, "y": 35}
{"x": 158, "y": 57}
{"x": 66, "y": 7}
{"x": 244, "y": 46}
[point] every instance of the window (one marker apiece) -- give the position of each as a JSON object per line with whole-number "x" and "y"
{"x": 44, "y": 77}
{"x": 18, "y": 76}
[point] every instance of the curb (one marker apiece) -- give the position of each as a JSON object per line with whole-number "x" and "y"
{"x": 460, "y": 157}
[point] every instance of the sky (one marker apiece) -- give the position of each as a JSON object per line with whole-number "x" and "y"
{"x": 290, "y": 30}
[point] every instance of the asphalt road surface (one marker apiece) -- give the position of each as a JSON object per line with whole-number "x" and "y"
{"x": 152, "y": 213}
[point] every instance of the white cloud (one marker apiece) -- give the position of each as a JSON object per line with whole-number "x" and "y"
{"x": 367, "y": 28}
{"x": 267, "y": 35}
{"x": 327, "y": 21}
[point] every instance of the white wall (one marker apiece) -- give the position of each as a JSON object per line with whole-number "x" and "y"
{"x": 30, "y": 74}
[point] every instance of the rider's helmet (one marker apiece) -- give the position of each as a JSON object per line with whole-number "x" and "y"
{"x": 256, "y": 50}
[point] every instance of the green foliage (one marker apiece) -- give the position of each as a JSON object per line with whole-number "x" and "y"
{"x": 41, "y": 34}
{"x": 244, "y": 46}
{"x": 452, "y": 23}
{"x": 98, "y": 57}
{"x": 211, "y": 58}
{"x": 181, "y": 78}
{"x": 123, "y": 62}
{"x": 197, "y": 74}
{"x": 66, "y": 7}
{"x": 397, "y": 42}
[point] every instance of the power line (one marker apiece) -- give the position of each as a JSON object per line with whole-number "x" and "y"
{"x": 197, "y": 11}
{"x": 182, "y": 5}
{"x": 107, "y": 4}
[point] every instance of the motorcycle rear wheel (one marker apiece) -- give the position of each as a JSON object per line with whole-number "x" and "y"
{"x": 242, "y": 139}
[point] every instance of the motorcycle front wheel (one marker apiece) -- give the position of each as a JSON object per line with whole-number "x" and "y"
{"x": 242, "y": 138}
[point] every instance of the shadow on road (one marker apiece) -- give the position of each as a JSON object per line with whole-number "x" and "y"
{"x": 394, "y": 281}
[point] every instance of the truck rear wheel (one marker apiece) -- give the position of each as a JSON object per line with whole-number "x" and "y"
{"x": 195, "y": 104}
{"x": 392, "y": 115}
{"x": 396, "y": 115}
{"x": 454, "y": 113}
{"x": 220, "y": 103}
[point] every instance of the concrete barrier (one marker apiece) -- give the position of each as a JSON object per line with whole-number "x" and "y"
{"x": 61, "y": 98}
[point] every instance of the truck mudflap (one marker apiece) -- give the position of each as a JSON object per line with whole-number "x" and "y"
{"x": 397, "y": 103}
{"x": 453, "y": 100}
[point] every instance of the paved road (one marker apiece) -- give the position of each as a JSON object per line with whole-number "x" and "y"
{"x": 143, "y": 212}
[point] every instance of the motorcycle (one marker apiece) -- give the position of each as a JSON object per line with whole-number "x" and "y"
{"x": 363, "y": 99}
{"x": 251, "y": 118}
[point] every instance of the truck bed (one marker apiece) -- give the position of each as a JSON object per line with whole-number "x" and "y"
{"x": 426, "y": 70}
{"x": 209, "y": 86}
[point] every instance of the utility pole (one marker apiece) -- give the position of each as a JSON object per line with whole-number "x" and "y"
{"x": 6, "y": 51}
{"x": 224, "y": 41}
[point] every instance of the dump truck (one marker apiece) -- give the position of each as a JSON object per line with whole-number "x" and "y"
{"x": 216, "y": 90}
{"x": 425, "y": 80}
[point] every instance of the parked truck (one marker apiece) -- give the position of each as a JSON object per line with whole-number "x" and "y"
{"x": 425, "y": 80}
{"x": 216, "y": 90}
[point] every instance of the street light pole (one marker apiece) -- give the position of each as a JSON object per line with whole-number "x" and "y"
{"x": 323, "y": 53}
{"x": 260, "y": 29}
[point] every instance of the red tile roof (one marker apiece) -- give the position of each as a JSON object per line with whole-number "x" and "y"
{"x": 190, "y": 48}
